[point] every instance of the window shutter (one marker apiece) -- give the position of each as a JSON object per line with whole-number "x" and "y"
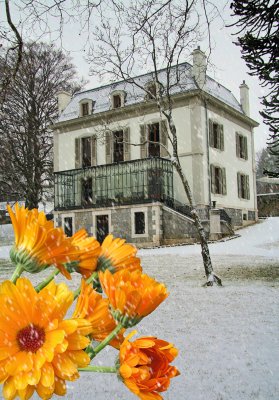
{"x": 211, "y": 137}
{"x": 212, "y": 170}
{"x": 221, "y": 135}
{"x": 108, "y": 148}
{"x": 77, "y": 153}
{"x": 245, "y": 148}
{"x": 237, "y": 144}
{"x": 247, "y": 188}
{"x": 143, "y": 147}
{"x": 164, "y": 139}
{"x": 239, "y": 184}
{"x": 224, "y": 183}
{"x": 127, "y": 146}
{"x": 93, "y": 150}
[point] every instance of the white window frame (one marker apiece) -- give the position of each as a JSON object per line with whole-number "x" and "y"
{"x": 122, "y": 95}
{"x": 90, "y": 107}
{"x": 133, "y": 225}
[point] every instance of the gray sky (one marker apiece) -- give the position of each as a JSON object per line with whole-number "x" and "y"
{"x": 229, "y": 69}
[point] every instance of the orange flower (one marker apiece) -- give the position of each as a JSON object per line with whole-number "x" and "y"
{"x": 145, "y": 366}
{"x": 132, "y": 295}
{"x": 39, "y": 350}
{"x": 116, "y": 254}
{"x": 95, "y": 309}
{"x": 89, "y": 250}
{"x": 38, "y": 244}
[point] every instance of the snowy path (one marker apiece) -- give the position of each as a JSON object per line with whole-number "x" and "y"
{"x": 261, "y": 239}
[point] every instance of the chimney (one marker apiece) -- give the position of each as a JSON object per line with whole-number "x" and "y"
{"x": 244, "y": 98}
{"x": 199, "y": 67}
{"x": 63, "y": 99}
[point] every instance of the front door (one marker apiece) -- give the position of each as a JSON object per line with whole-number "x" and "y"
{"x": 102, "y": 223}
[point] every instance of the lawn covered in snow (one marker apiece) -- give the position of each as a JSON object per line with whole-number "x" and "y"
{"x": 228, "y": 337}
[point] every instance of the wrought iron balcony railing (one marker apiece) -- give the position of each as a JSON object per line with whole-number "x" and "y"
{"x": 130, "y": 182}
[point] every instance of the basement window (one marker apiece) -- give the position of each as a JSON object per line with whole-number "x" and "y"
{"x": 139, "y": 223}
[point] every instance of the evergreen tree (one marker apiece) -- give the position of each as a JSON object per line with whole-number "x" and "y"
{"x": 259, "y": 41}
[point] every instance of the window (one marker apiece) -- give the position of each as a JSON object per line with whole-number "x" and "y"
{"x": 86, "y": 152}
{"x": 84, "y": 109}
{"x": 216, "y": 135}
{"x": 139, "y": 223}
{"x": 116, "y": 101}
{"x": 86, "y": 192}
{"x": 243, "y": 186}
{"x": 68, "y": 226}
{"x": 241, "y": 146}
{"x": 118, "y": 147}
{"x": 218, "y": 180}
{"x": 154, "y": 140}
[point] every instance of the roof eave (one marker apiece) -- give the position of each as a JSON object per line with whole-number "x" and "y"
{"x": 152, "y": 104}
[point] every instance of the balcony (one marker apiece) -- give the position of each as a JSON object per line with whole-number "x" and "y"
{"x": 131, "y": 182}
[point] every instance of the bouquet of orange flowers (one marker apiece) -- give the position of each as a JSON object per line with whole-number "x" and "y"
{"x": 41, "y": 348}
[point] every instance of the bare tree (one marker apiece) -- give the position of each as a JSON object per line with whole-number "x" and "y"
{"x": 46, "y": 20}
{"x": 148, "y": 35}
{"x": 27, "y": 112}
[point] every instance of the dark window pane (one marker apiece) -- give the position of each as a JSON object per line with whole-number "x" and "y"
{"x": 116, "y": 101}
{"x": 68, "y": 226}
{"x": 139, "y": 223}
{"x": 215, "y": 136}
{"x": 85, "y": 109}
{"x": 154, "y": 140}
{"x": 86, "y": 191}
{"x": 218, "y": 180}
{"x": 102, "y": 223}
{"x": 118, "y": 147}
{"x": 86, "y": 152}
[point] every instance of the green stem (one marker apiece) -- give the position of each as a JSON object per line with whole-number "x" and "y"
{"x": 106, "y": 341}
{"x": 89, "y": 280}
{"x": 91, "y": 368}
{"x": 46, "y": 281}
{"x": 17, "y": 272}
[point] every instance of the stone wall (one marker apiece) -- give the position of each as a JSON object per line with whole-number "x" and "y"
{"x": 236, "y": 215}
{"x": 268, "y": 205}
{"x": 84, "y": 220}
{"x": 121, "y": 219}
{"x": 177, "y": 228}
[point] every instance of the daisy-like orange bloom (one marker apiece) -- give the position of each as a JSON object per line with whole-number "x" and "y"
{"x": 39, "y": 350}
{"x": 116, "y": 254}
{"x": 89, "y": 250}
{"x": 145, "y": 366}
{"x": 132, "y": 295}
{"x": 37, "y": 243}
{"x": 95, "y": 309}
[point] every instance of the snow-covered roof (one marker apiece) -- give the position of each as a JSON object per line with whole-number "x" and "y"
{"x": 101, "y": 96}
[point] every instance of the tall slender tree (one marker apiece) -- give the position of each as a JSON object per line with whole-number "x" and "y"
{"x": 148, "y": 35}
{"x": 28, "y": 110}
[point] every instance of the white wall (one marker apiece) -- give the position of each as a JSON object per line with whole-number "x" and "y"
{"x": 233, "y": 164}
{"x": 190, "y": 121}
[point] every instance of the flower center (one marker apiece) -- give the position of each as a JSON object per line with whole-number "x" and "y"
{"x": 31, "y": 338}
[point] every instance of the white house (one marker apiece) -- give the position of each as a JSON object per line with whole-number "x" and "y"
{"x": 112, "y": 176}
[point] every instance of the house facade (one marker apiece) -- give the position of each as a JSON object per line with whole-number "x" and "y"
{"x": 113, "y": 167}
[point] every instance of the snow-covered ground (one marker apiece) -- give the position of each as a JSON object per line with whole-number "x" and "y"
{"x": 228, "y": 337}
